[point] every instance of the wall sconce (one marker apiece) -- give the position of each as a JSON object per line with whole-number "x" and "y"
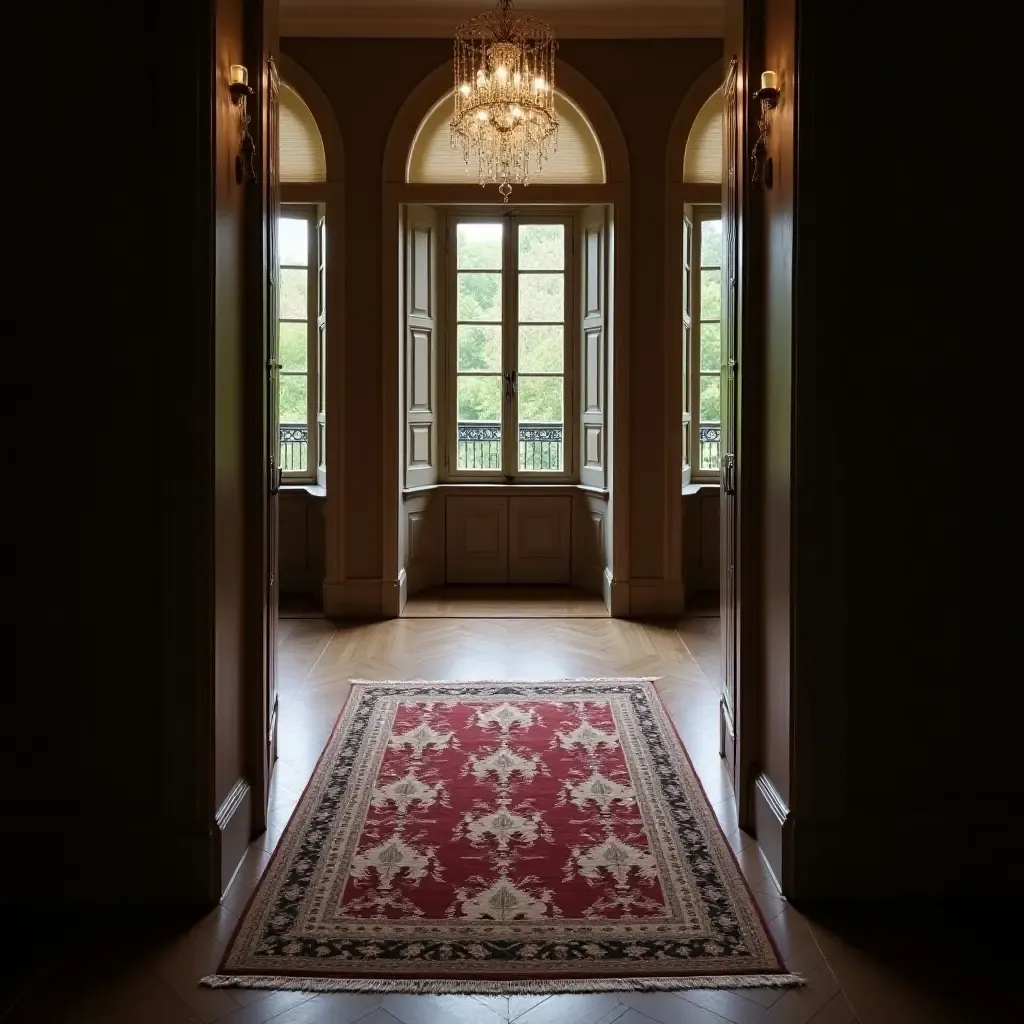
{"x": 238, "y": 86}
{"x": 768, "y": 97}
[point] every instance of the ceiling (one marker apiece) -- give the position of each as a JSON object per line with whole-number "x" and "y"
{"x": 578, "y": 19}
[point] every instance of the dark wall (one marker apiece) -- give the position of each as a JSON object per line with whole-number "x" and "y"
{"x": 775, "y": 285}
{"x": 644, "y": 82}
{"x": 905, "y": 560}
{"x": 230, "y": 341}
{"x": 125, "y": 635}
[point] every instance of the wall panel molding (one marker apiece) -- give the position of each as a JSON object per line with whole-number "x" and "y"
{"x": 773, "y": 828}
{"x": 233, "y": 829}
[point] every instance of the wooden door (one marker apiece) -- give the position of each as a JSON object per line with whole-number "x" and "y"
{"x": 728, "y": 467}
{"x": 273, "y": 413}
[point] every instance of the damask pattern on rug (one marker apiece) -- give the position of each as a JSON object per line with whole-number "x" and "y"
{"x": 503, "y": 837}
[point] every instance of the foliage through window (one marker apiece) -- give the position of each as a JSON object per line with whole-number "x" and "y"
{"x": 702, "y": 341}
{"x": 301, "y": 316}
{"x": 510, "y": 321}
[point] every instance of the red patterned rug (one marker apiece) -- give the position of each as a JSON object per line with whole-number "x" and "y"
{"x": 502, "y": 837}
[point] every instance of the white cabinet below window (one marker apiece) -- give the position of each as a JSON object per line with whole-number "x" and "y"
{"x": 507, "y": 539}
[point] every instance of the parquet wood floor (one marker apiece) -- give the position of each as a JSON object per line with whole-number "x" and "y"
{"x": 120, "y": 980}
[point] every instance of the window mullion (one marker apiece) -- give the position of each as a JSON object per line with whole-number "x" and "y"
{"x": 509, "y": 360}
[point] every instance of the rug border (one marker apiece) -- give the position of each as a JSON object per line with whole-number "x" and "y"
{"x": 732, "y": 852}
{"x": 470, "y": 986}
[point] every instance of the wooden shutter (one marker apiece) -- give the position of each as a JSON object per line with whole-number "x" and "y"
{"x": 421, "y": 345}
{"x": 594, "y": 346}
{"x": 321, "y": 348}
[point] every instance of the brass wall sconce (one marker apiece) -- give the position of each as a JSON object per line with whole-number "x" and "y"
{"x": 768, "y": 97}
{"x": 238, "y": 86}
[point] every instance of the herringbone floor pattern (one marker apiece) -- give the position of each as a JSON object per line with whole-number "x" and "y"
{"x": 317, "y": 658}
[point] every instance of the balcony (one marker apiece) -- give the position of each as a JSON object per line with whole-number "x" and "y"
{"x": 540, "y": 447}
{"x": 294, "y": 438}
{"x": 710, "y": 438}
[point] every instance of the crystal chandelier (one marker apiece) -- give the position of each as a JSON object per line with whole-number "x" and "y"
{"x": 505, "y": 95}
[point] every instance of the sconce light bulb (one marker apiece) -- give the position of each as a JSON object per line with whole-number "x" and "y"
{"x": 465, "y": 89}
{"x": 239, "y": 74}
{"x": 768, "y": 80}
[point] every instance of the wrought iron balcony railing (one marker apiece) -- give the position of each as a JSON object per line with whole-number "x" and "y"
{"x": 710, "y": 438}
{"x": 541, "y": 447}
{"x": 294, "y": 439}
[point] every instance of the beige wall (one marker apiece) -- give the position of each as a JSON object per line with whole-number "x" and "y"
{"x": 644, "y": 82}
{"x": 701, "y": 541}
{"x": 301, "y": 544}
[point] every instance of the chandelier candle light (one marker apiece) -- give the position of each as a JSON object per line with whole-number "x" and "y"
{"x": 505, "y": 95}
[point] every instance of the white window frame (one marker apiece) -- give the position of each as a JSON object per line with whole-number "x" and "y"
{"x": 510, "y": 472}
{"x": 315, "y": 323}
{"x": 694, "y": 217}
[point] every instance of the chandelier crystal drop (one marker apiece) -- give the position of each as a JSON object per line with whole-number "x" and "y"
{"x": 505, "y": 95}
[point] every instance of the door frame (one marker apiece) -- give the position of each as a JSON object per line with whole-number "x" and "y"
{"x": 330, "y": 195}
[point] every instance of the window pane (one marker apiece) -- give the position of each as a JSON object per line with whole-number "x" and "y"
{"x": 542, "y": 247}
{"x": 293, "y": 398}
{"x": 710, "y": 294}
{"x": 540, "y": 399}
{"x": 293, "y": 241}
{"x": 541, "y": 297}
{"x": 479, "y": 399}
{"x": 322, "y": 373}
{"x": 686, "y": 369}
{"x": 479, "y": 246}
{"x": 479, "y": 423}
{"x": 541, "y": 349}
{"x": 711, "y": 346}
{"x": 480, "y": 297}
{"x": 479, "y": 347}
{"x": 293, "y": 294}
{"x": 710, "y": 403}
{"x": 294, "y": 348}
{"x": 541, "y": 428}
{"x": 711, "y": 243}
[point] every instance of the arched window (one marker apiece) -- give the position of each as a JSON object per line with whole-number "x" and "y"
{"x": 702, "y": 159}
{"x": 301, "y": 150}
{"x": 702, "y": 296}
{"x": 302, "y": 296}
{"x": 578, "y": 160}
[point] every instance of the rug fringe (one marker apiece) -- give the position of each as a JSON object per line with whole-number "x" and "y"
{"x": 536, "y": 987}
{"x": 610, "y": 680}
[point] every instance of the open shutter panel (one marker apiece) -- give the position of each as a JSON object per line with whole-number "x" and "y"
{"x": 594, "y": 341}
{"x": 321, "y": 347}
{"x": 421, "y": 345}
